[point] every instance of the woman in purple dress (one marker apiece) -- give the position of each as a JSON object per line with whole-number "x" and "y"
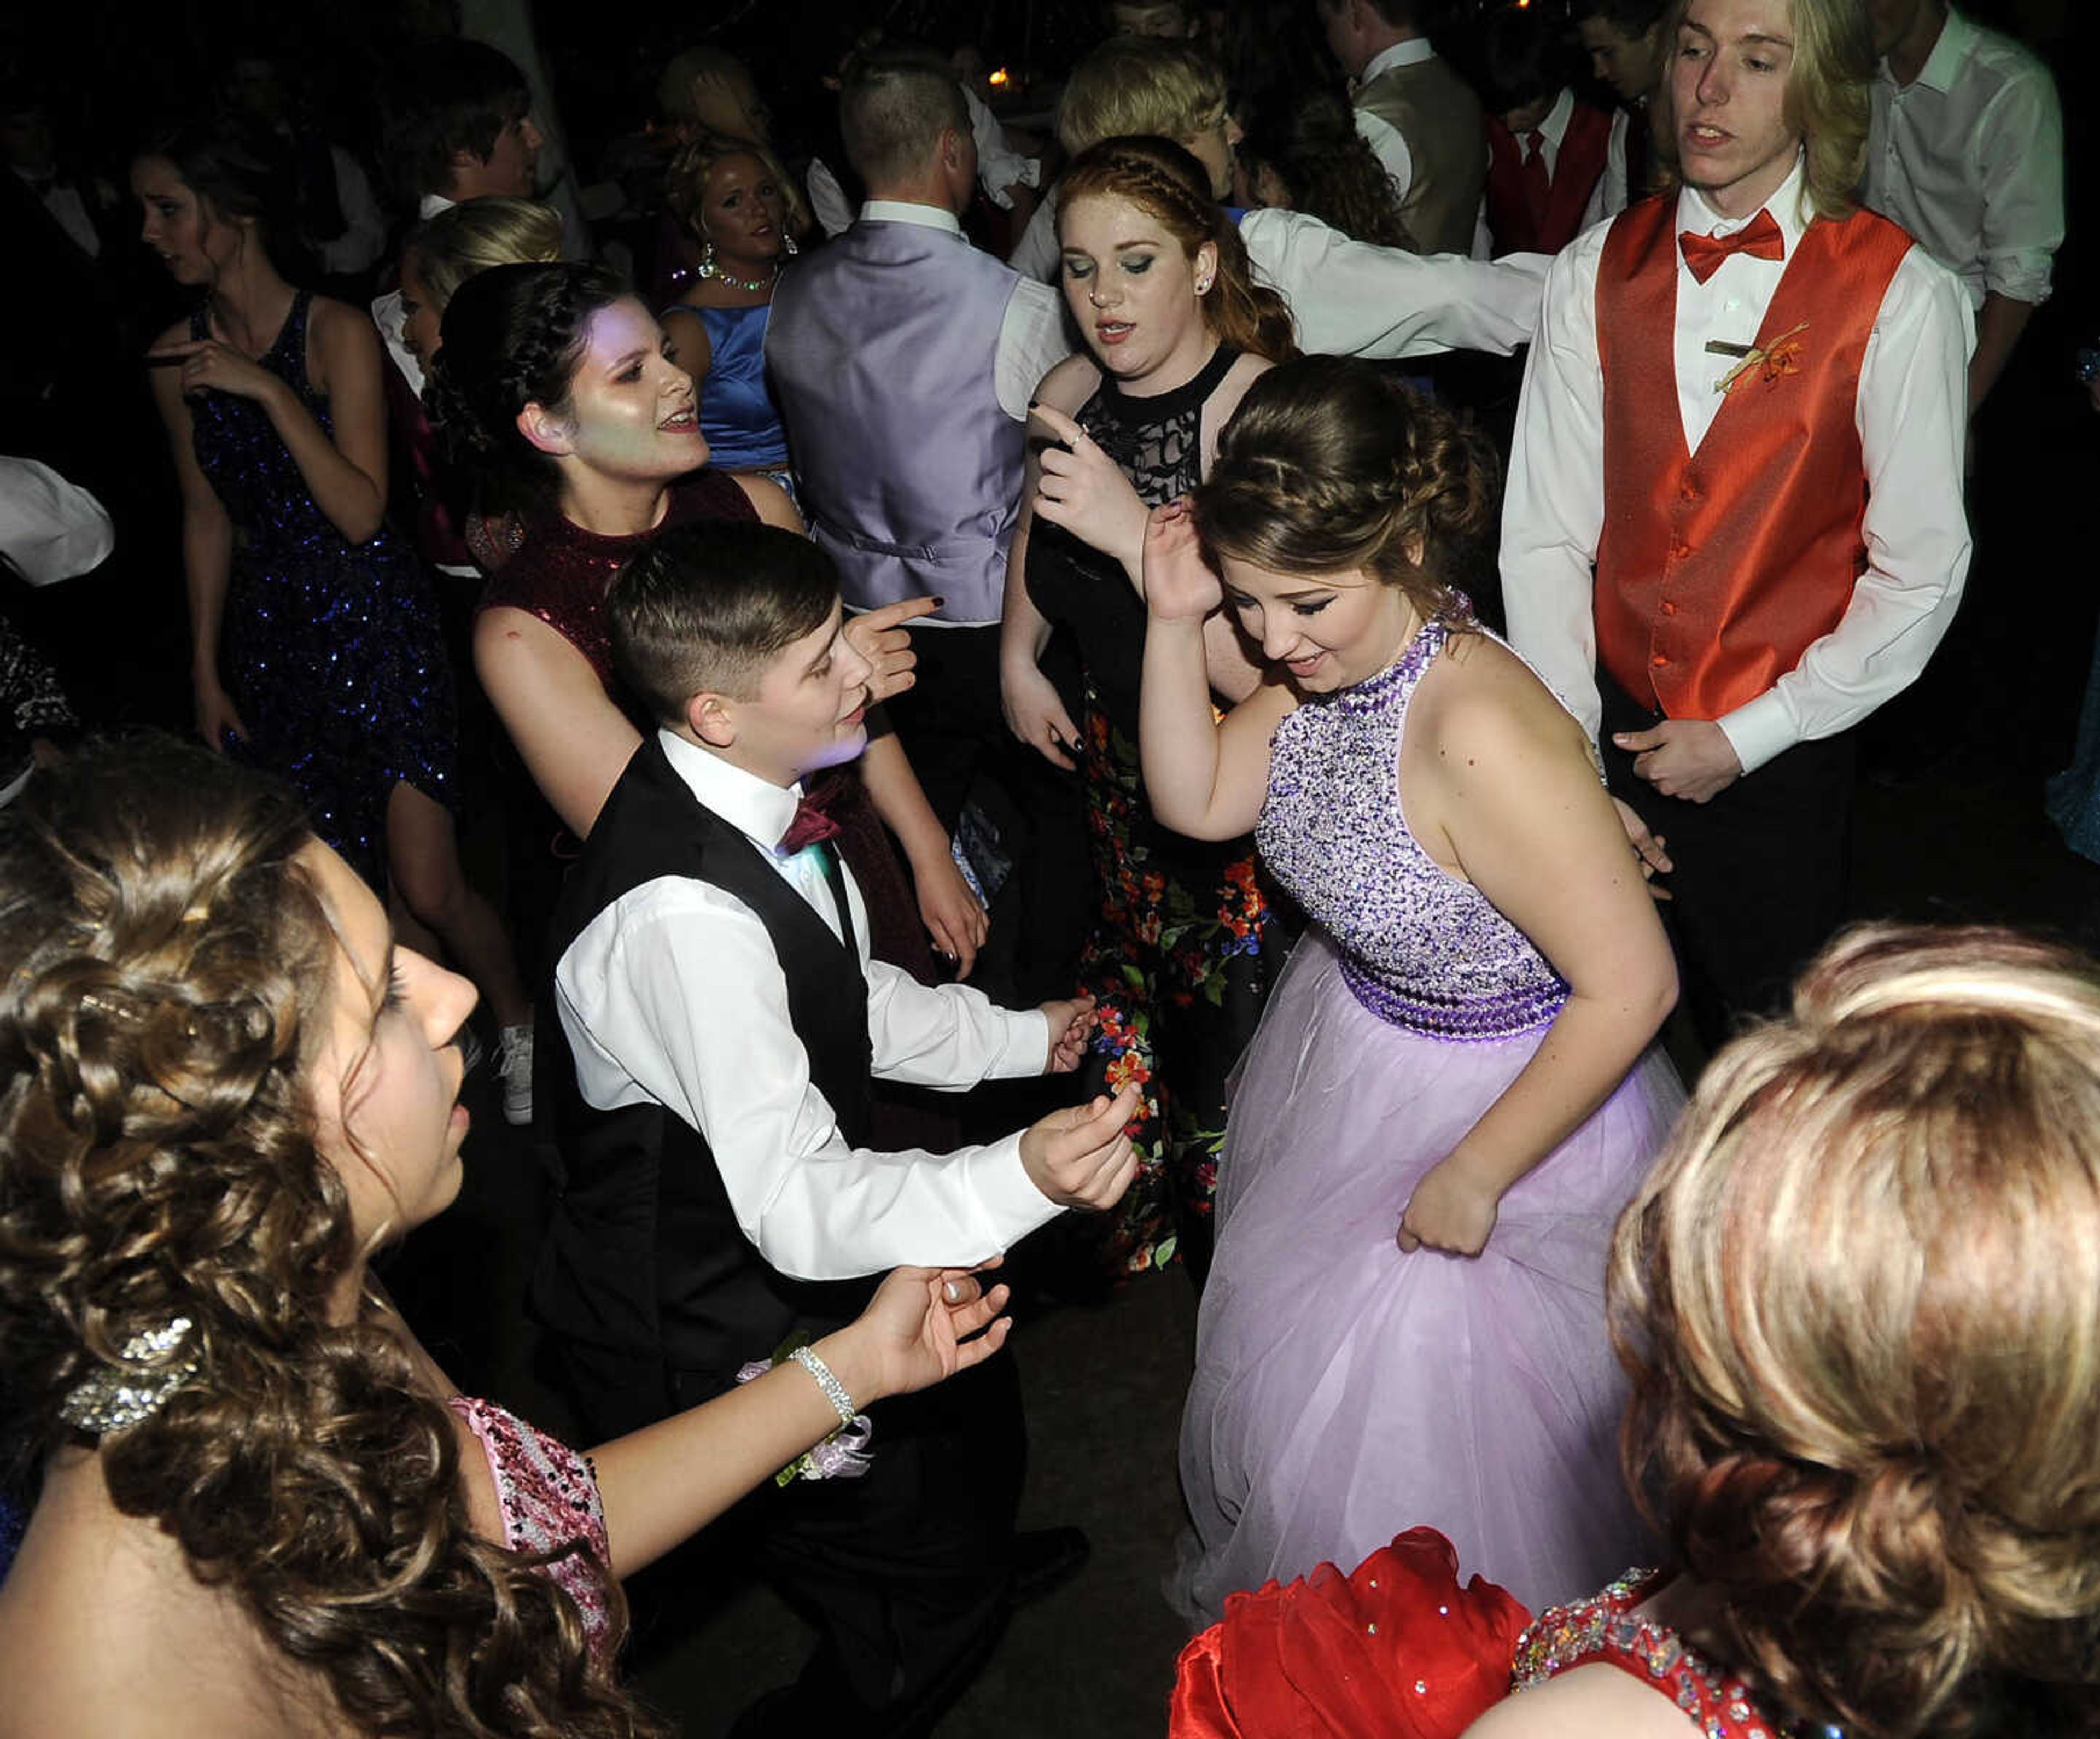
{"x": 1454, "y": 1089}
{"x": 316, "y": 651}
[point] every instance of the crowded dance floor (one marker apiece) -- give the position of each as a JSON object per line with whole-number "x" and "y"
{"x": 1095, "y": 867}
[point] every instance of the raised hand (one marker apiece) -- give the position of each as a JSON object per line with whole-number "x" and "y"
{"x": 880, "y": 636}
{"x": 1035, "y": 714}
{"x": 1179, "y": 584}
{"x": 1071, "y": 1025}
{"x": 915, "y": 1330}
{"x": 209, "y": 366}
{"x": 1080, "y": 488}
{"x": 1450, "y": 1210}
{"x": 1082, "y": 1157}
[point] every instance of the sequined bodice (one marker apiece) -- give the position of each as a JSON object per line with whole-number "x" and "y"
{"x": 1605, "y": 1630}
{"x": 549, "y": 1496}
{"x": 560, "y": 572}
{"x": 1420, "y": 947}
{"x": 247, "y": 463}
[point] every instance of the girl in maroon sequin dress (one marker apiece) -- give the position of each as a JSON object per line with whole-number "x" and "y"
{"x": 1859, "y": 1300}
{"x": 556, "y": 385}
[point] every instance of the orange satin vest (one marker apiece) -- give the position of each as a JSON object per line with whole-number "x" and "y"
{"x": 1717, "y": 569}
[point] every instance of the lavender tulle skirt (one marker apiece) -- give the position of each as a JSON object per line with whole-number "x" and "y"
{"x": 1344, "y": 1392}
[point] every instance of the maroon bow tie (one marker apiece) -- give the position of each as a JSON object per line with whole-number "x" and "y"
{"x": 1760, "y": 238}
{"x": 813, "y": 820}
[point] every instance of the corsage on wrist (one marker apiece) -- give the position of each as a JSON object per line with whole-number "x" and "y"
{"x": 844, "y": 1454}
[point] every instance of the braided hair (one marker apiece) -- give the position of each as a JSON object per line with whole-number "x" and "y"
{"x": 1165, "y": 181}
{"x": 1331, "y": 465}
{"x": 512, "y": 336}
{"x": 165, "y": 966}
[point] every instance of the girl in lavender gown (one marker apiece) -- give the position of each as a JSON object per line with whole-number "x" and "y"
{"x": 1453, "y": 1090}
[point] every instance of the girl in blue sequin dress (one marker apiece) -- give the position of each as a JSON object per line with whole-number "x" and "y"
{"x": 1453, "y": 1090}
{"x": 316, "y": 650}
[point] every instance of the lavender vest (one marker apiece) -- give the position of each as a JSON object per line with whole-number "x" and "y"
{"x": 883, "y": 347}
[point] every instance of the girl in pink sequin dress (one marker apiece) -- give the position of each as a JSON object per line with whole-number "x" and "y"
{"x": 264, "y": 1508}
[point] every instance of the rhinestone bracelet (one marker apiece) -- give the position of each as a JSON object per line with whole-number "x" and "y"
{"x": 834, "y": 1392}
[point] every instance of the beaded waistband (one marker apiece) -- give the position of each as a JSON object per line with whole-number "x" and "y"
{"x": 1503, "y": 1016}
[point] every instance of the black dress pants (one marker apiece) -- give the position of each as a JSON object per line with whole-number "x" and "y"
{"x": 905, "y": 1571}
{"x": 1759, "y": 884}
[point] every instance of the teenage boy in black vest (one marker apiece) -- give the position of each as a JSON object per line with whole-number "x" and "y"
{"x": 724, "y": 1019}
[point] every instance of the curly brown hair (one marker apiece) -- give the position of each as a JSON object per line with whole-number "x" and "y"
{"x": 1859, "y": 1300}
{"x": 1331, "y": 465}
{"x": 1164, "y": 180}
{"x": 1307, "y": 139}
{"x": 164, "y": 956}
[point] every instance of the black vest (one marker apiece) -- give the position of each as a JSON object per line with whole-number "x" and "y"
{"x": 644, "y": 1257}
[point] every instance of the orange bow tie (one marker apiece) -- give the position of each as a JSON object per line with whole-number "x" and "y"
{"x": 1760, "y": 238}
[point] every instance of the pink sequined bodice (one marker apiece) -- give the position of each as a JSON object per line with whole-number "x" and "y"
{"x": 1420, "y": 947}
{"x": 1605, "y": 1630}
{"x": 550, "y": 1499}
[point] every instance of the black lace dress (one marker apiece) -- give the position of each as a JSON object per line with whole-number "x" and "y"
{"x": 1183, "y": 948}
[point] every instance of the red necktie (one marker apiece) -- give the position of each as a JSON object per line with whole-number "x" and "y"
{"x": 1537, "y": 182}
{"x": 813, "y": 821}
{"x": 1760, "y": 238}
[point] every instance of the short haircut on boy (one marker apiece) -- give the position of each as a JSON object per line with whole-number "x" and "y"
{"x": 894, "y": 107}
{"x": 705, "y": 608}
{"x": 456, "y": 95}
{"x": 1138, "y": 85}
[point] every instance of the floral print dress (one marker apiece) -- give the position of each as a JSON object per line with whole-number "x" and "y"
{"x": 1184, "y": 947}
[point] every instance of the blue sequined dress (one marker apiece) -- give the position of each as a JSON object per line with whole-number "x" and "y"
{"x": 331, "y": 650}
{"x": 1344, "y": 1390}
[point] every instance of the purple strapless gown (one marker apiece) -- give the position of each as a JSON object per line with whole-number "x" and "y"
{"x": 1344, "y": 1391}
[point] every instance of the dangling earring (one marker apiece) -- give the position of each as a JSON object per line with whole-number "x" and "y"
{"x": 706, "y": 268}
{"x": 787, "y": 244}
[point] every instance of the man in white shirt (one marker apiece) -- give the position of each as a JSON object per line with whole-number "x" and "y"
{"x": 1726, "y": 546}
{"x": 459, "y": 127}
{"x": 718, "y": 1195}
{"x": 1966, "y": 153}
{"x": 1346, "y": 297}
{"x": 1400, "y": 78}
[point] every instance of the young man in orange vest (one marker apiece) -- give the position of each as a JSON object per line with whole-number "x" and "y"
{"x": 1734, "y": 523}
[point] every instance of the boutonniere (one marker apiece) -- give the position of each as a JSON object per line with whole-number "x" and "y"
{"x": 1780, "y": 357}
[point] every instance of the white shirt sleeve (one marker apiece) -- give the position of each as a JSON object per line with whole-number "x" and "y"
{"x": 1553, "y": 510}
{"x": 387, "y": 316}
{"x": 999, "y": 166}
{"x": 2019, "y": 147}
{"x": 1031, "y": 342}
{"x": 1036, "y": 254}
{"x": 50, "y": 529}
{"x": 828, "y": 199}
{"x": 1353, "y": 298}
{"x": 675, "y": 995}
{"x": 1911, "y": 410}
{"x": 364, "y": 238}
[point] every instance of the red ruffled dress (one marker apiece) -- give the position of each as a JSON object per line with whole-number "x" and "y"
{"x": 1397, "y": 1649}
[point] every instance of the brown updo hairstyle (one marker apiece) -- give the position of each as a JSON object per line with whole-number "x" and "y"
{"x": 686, "y": 181}
{"x": 1329, "y": 464}
{"x": 1165, "y": 182}
{"x": 167, "y": 964}
{"x": 1859, "y": 1300}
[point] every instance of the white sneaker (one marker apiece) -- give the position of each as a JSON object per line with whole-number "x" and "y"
{"x": 514, "y": 1068}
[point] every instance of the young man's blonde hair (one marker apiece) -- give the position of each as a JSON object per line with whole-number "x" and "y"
{"x": 1140, "y": 85}
{"x": 1828, "y": 99}
{"x": 465, "y": 239}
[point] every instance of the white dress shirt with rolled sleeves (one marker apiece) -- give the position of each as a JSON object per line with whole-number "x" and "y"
{"x": 674, "y": 995}
{"x": 1969, "y": 158}
{"x": 1912, "y": 412}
